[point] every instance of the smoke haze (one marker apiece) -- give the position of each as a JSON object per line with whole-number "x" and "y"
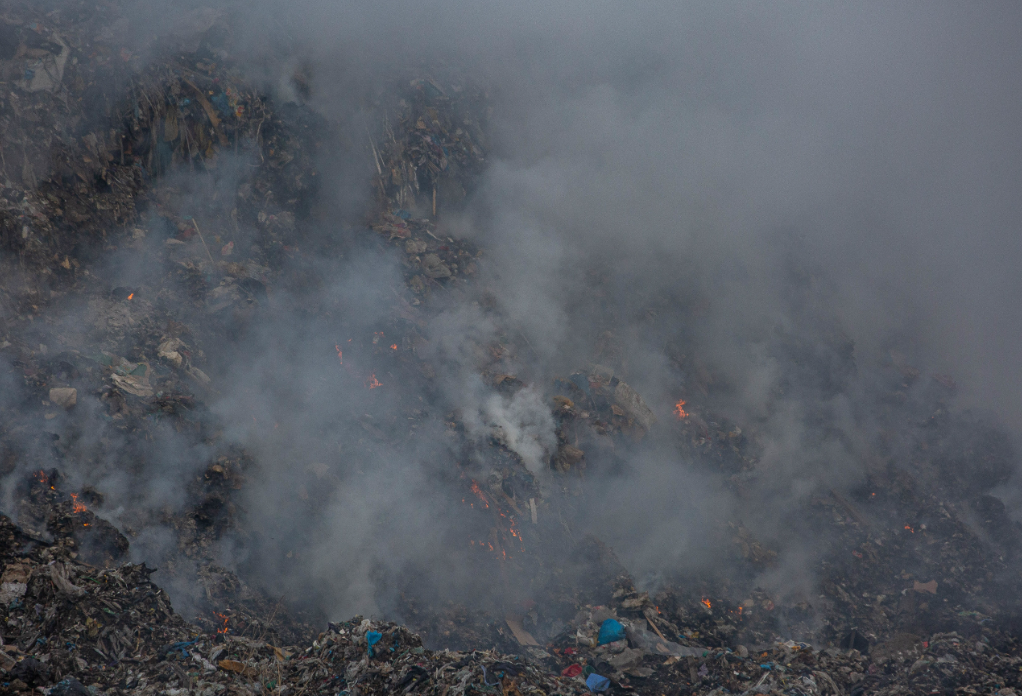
{"x": 767, "y": 200}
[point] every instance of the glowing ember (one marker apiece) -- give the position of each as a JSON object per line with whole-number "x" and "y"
{"x": 706, "y": 601}
{"x": 340, "y": 354}
{"x": 372, "y": 382}
{"x": 41, "y": 477}
{"x": 679, "y": 410}
{"x": 131, "y": 296}
{"x": 479, "y": 494}
{"x": 516, "y": 534}
{"x": 77, "y": 507}
{"x": 393, "y": 346}
{"x": 909, "y": 528}
{"x": 223, "y": 630}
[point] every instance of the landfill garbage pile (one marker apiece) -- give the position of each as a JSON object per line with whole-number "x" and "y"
{"x": 72, "y": 628}
{"x": 107, "y": 153}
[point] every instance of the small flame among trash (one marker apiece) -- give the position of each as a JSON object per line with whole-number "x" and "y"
{"x": 513, "y": 531}
{"x": 340, "y": 354}
{"x": 679, "y": 410}
{"x": 393, "y": 346}
{"x": 223, "y": 630}
{"x": 131, "y": 296}
{"x": 42, "y": 478}
{"x": 372, "y": 382}
{"x": 706, "y": 601}
{"x": 909, "y": 528}
{"x": 77, "y": 507}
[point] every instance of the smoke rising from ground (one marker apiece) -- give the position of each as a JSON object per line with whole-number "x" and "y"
{"x": 790, "y": 191}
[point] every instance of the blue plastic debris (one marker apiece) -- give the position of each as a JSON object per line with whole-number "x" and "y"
{"x": 222, "y": 102}
{"x": 486, "y": 678}
{"x": 582, "y": 382}
{"x": 372, "y": 638}
{"x": 596, "y": 683}
{"x": 610, "y": 630}
{"x": 180, "y": 646}
{"x": 70, "y": 687}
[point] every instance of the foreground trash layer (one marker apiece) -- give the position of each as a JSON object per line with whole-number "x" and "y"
{"x": 68, "y": 626}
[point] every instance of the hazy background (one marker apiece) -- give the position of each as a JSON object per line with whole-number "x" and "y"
{"x": 789, "y": 169}
{"x": 691, "y": 133}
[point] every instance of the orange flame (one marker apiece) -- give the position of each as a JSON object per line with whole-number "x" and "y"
{"x": 393, "y": 346}
{"x": 372, "y": 382}
{"x": 679, "y": 410}
{"x": 516, "y": 534}
{"x": 77, "y": 507}
{"x": 706, "y": 601}
{"x": 131, "y": 296}
{"x": 340, "y": 354}
{"x": 41, "y": 476}
{"x": 909, "y": 528}
{"x": 224, "y": 630}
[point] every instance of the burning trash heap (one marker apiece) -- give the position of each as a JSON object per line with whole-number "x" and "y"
{"x": 132, "y": 432}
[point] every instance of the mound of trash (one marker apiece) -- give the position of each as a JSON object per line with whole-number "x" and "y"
{"x": 188, "y": 172}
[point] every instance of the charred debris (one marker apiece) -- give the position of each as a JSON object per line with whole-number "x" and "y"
{"x": 918, "y": 590}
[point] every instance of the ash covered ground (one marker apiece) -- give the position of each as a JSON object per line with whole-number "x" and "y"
{"x": 371, "y": 350}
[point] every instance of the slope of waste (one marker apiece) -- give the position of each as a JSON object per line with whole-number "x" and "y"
{"x": 158, "y": 218}
{"x": 72, "y": 628}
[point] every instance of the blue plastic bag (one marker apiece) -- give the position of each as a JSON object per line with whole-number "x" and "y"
{"x": 610, "y": 630}
{"x": 372, "y": 638}
{"x": 596, "y": 683}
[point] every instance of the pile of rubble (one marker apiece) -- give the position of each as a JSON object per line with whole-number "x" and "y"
{"x": 73, "y": 628}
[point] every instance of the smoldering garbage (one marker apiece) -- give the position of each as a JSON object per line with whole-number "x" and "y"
{"x": 74, "y": 628}
{"x": 211, "y": 186}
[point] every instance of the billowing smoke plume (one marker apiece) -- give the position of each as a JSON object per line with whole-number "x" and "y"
{"x": 759, "y": 209}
